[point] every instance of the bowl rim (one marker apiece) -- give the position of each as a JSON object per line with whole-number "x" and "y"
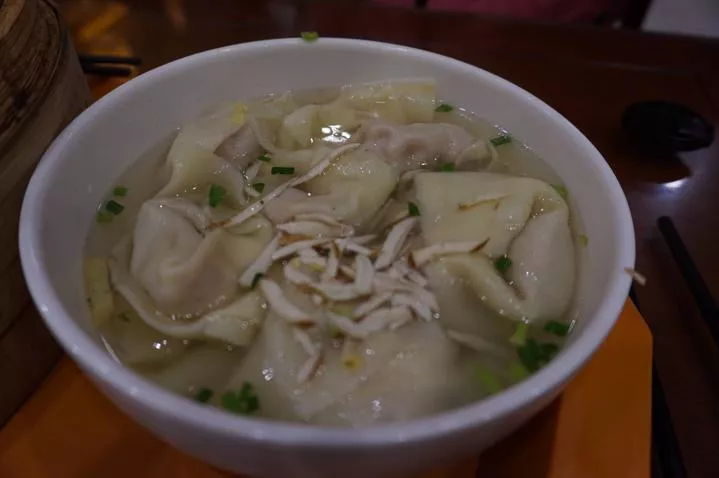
{"x": 131, "y": 386}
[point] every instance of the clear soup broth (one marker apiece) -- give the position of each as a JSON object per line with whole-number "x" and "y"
{"x": 348, "y": 256}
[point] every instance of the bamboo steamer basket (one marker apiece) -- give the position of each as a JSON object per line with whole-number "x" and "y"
{"x": 42, "y": 88}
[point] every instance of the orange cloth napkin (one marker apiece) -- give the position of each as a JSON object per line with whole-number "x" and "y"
{"x": 599, "y": 427}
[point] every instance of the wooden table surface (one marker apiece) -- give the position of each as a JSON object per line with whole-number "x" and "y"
{"x": 589, "y": 75}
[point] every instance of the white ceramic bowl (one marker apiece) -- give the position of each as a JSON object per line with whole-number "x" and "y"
{"x": 88, "y": 156}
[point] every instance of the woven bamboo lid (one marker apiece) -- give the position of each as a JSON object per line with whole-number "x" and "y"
{"x": 42, "y": 88}
{"x": 31, "y": 44}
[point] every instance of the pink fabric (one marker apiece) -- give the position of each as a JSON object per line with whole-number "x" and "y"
{"x": 556, "y": 10}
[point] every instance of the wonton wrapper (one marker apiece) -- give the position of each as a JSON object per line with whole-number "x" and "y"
{"x": 301, "y": 127}
{"x": 193, "y": 168}
{"x": 285, "y": 128}
{"x": 418, "y": 145}
{"x": 224, "y": 131}
{"x": 404, "y": 374}
{"x": 171, "y": 270}
{"x": 522, "y": 217}
{"x": 352, "y": 190}
{"x": 201, "y": 366}
{"x": 404, "y": 102}
{"x": 135, "y": 343}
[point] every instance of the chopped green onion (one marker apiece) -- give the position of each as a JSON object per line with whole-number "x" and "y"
{"x": 217, "y": 194}
{"x": 413, "y": 209}
{"x": 583, "y": 240}
{"x": 259, "y": 187}
{"x": 529, "y": 355}
{"x": 549, "y": 351}
{"x": 244, "y": 402}
{"x": 282, "y": 170}
{"x": 503, "y": 263}
{"x": 309, "y": 36}
{"x": 264, "y": 157}
{"x": 444, "y": 108}
{"x": 255, "y": 280}
{"x": 488, "y": 380}
{"x": 535, "y": 355}
{"x": 204, "y": 395}
{"x": 447, "y": 167}
{"x": 124, "y": 316}
{"x": 519, "y": 337}
{"x": 517, "y": 372}
{"x": 104, "y": 217}
{"x": 557, "y": 328}
{"x": 119, "y": 191}
{"x": 561, "y": 190}
{"x": 501, "y": 139}
{"x": 114, "y": 207}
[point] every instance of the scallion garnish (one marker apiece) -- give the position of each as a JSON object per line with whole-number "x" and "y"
{"x": 583, "y": 240}
{"x": 114, "y": 207}
{"x": 560, "y": 329}
{"x": 264, "y": 157}
{"x": 519, "y": 337}
{"x": 255, "y": 280}
{"x": 517, "y": 372}
{"x": 119, "y": 191}
{"x": 204, "y": 395}
{"x": 503, "y": 263}
{"x": 535, "y": 355}
{"x": 444, "y": 108}
{"x": 529, "y": 355}
{"x": 124, "y": 316}
{"x": 282, "y": 170}
{"x": 104, "y": 217}
{"x": 216, "y": 195}
{"x": 549, "y": 350}
{"x": 259, "y": 187}
{"x": 413, "y": 209}
{"x": 501, "y": 139}
{"x": 244, "y": 402}
{"x": 561, "y": 190}
{"x": 447, "y": 167}
{"x": 488, "y": 380}
{"x": 309, "y": 36}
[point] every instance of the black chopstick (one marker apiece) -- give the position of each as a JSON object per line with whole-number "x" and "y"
{"x": 99, "y": 70}
{"x": 110, "y": 60}
{"x": 702, "y": 295}
{"x": 109, "y": 65}
{"x": 666, "y": 457}
{"x": 665, "y": 446}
